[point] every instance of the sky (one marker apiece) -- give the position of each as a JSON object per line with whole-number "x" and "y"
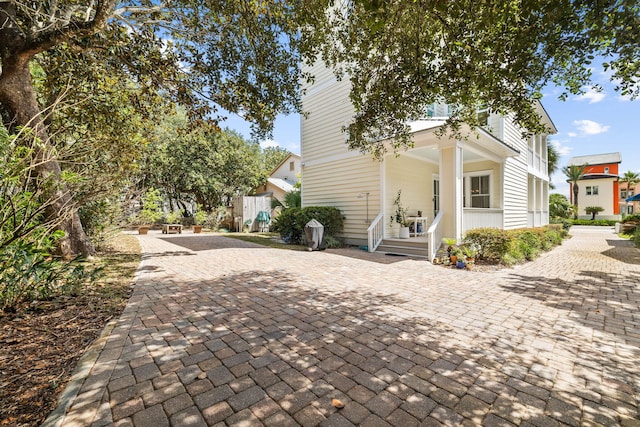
{"x": 592, "y": 123}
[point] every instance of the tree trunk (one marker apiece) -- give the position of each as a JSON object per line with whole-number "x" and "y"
{"x": 576, "y": 190}
{"x": 18, "y": 99}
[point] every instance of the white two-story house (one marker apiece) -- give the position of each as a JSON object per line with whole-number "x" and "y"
{"x": 493, "y": 178}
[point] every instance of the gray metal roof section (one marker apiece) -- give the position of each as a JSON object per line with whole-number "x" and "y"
{"x": 595, "y": 159}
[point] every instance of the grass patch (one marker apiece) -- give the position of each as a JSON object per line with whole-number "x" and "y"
{"x": 271, "y": 240}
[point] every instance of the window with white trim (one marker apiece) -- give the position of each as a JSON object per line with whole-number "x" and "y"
{"x": 477, "y": 189}
{"x": 592, "y": 190}
{"x": 630, "y": 209}
{"x": 623, "y": 194}
{"x": 606, "y": 170}
{"x": 483, "y": 115}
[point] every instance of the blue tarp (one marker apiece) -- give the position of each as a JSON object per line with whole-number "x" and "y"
{"x": 635, "y": 198}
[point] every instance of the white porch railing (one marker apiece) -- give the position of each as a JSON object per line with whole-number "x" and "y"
{"x": 375, "y": 233}
{"x": 538, "y": 218}
{"x": 434, "y": 236}
{"x": 481, "y": 217}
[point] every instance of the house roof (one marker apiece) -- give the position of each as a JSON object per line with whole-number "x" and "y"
{"x": 485, "y": 139}
{"x": 596, "y": 159}
{"x": 544, "y": 116}
{"x": 598, "y": 176}
{"x": 286, "y": 186}
{"x": 296, "y": 156}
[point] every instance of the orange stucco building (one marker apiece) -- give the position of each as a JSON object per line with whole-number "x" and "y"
{"x": 599, "y": 184}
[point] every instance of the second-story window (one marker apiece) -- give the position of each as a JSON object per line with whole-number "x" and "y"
{"x": 592, "y": 190}
{"x": 292, "y": 166}
{"x": 606, "y": 170}
{"x": 483, "y": 115}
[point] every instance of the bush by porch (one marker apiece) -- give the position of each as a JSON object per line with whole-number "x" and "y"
{"x": 510, "y": 247}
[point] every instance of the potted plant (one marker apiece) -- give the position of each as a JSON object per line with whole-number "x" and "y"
{"x": 400, "y": 217}
{"x": 198, "y": 219}
{"x": 454, "y": 255}
{"x": 469, "y": 252}
{"x": 151, "y": 210}
{"x": 450, "y": 242}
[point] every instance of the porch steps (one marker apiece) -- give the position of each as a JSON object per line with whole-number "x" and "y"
{"x": 408, "y": 247}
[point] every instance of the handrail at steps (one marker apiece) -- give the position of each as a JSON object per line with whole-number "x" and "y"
{"x": 375, "y": 233}
{"x": 434, "y": 236}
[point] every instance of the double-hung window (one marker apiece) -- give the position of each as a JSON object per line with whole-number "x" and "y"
{"x": 477, "y": 190}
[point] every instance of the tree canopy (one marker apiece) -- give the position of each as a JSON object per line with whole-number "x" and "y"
{"x": 401, "y": 56}
{"x": 240, "y": 56}
{"x": 243, "y": 56}
{"x": 196, "y": 163}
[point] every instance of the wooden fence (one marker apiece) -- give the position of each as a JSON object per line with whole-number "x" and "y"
{"x": 246, "y": 209}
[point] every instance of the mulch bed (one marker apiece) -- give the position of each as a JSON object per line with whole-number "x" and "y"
{"x": 42, "y": 341}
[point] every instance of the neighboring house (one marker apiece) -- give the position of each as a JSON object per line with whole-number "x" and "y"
{"x": 494, "y": 179}
{"x": 599, "y": 184}
{"x": 629, "y": 208}
{"x": 282, "y": 179}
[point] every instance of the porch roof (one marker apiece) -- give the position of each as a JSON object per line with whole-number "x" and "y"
{"x": 484, "y": 139}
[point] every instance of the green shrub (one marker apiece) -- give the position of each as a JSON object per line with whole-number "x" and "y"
{"x": 492, "y": 243}
{"x": 529, "y": 243}
{"x": 566, "y": 223}
{"x": 632, "y": 218}
{"x": 512, "y": 246}
{"x": 290, "y": 223}
{"x": 598, "y": 222}
{"x": 28, "y": 272}
{"x": 636, "y": 237}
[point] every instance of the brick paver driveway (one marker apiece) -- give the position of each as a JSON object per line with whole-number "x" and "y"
{"x": 220, "y": 332}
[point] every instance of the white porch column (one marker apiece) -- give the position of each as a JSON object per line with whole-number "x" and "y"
{"x": 541, "y": 202}
{"x": 531, "y": 203}
{"x": 451, "y": 197}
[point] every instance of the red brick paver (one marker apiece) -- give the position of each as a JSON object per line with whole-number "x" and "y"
{"x": 221, "y": 331}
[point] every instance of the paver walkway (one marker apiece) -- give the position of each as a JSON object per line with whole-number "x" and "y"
{"x": 221, "y": 332}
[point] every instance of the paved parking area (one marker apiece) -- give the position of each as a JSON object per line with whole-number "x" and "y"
{"x": 221, "y": 332}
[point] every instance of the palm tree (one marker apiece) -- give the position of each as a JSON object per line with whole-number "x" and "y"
{"x": 631, "y": 178}
{"x": 552, "y": 161}
{"x": 574, "y": 174}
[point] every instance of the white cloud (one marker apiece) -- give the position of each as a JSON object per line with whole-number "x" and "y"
{"x": 269, "y": 143}
{"x": 572, "y": 134}
{"x": 589, "y": 127}
{"x": 591, "y": 95}
{"x": 561, "y": 149}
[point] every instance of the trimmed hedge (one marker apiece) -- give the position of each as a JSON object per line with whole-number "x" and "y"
{"x": 290, "y": 223}
{"x": 632, "y": 218}
{"x": 512, "y": 246}
{"x": 566, "y": 223}
{"x": 599, "y": 222}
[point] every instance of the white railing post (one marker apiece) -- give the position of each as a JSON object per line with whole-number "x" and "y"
{"x": 434, "y": 236}
{"x": 375, "y": 233}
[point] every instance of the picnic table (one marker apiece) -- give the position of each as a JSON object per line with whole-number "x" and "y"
{"x": 171, "y": 228}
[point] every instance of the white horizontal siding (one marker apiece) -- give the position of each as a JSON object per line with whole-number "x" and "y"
{"x": 338, "y": 184}
{"x": 516, "y": 178}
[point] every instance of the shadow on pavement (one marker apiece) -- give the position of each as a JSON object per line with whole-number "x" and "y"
{"x": 623, "y": 250}
{"x": 261, "y": 337}
{"x": 205, "y": 243}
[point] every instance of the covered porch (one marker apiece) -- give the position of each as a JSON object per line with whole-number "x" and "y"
{"x": 449, "y": 186}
